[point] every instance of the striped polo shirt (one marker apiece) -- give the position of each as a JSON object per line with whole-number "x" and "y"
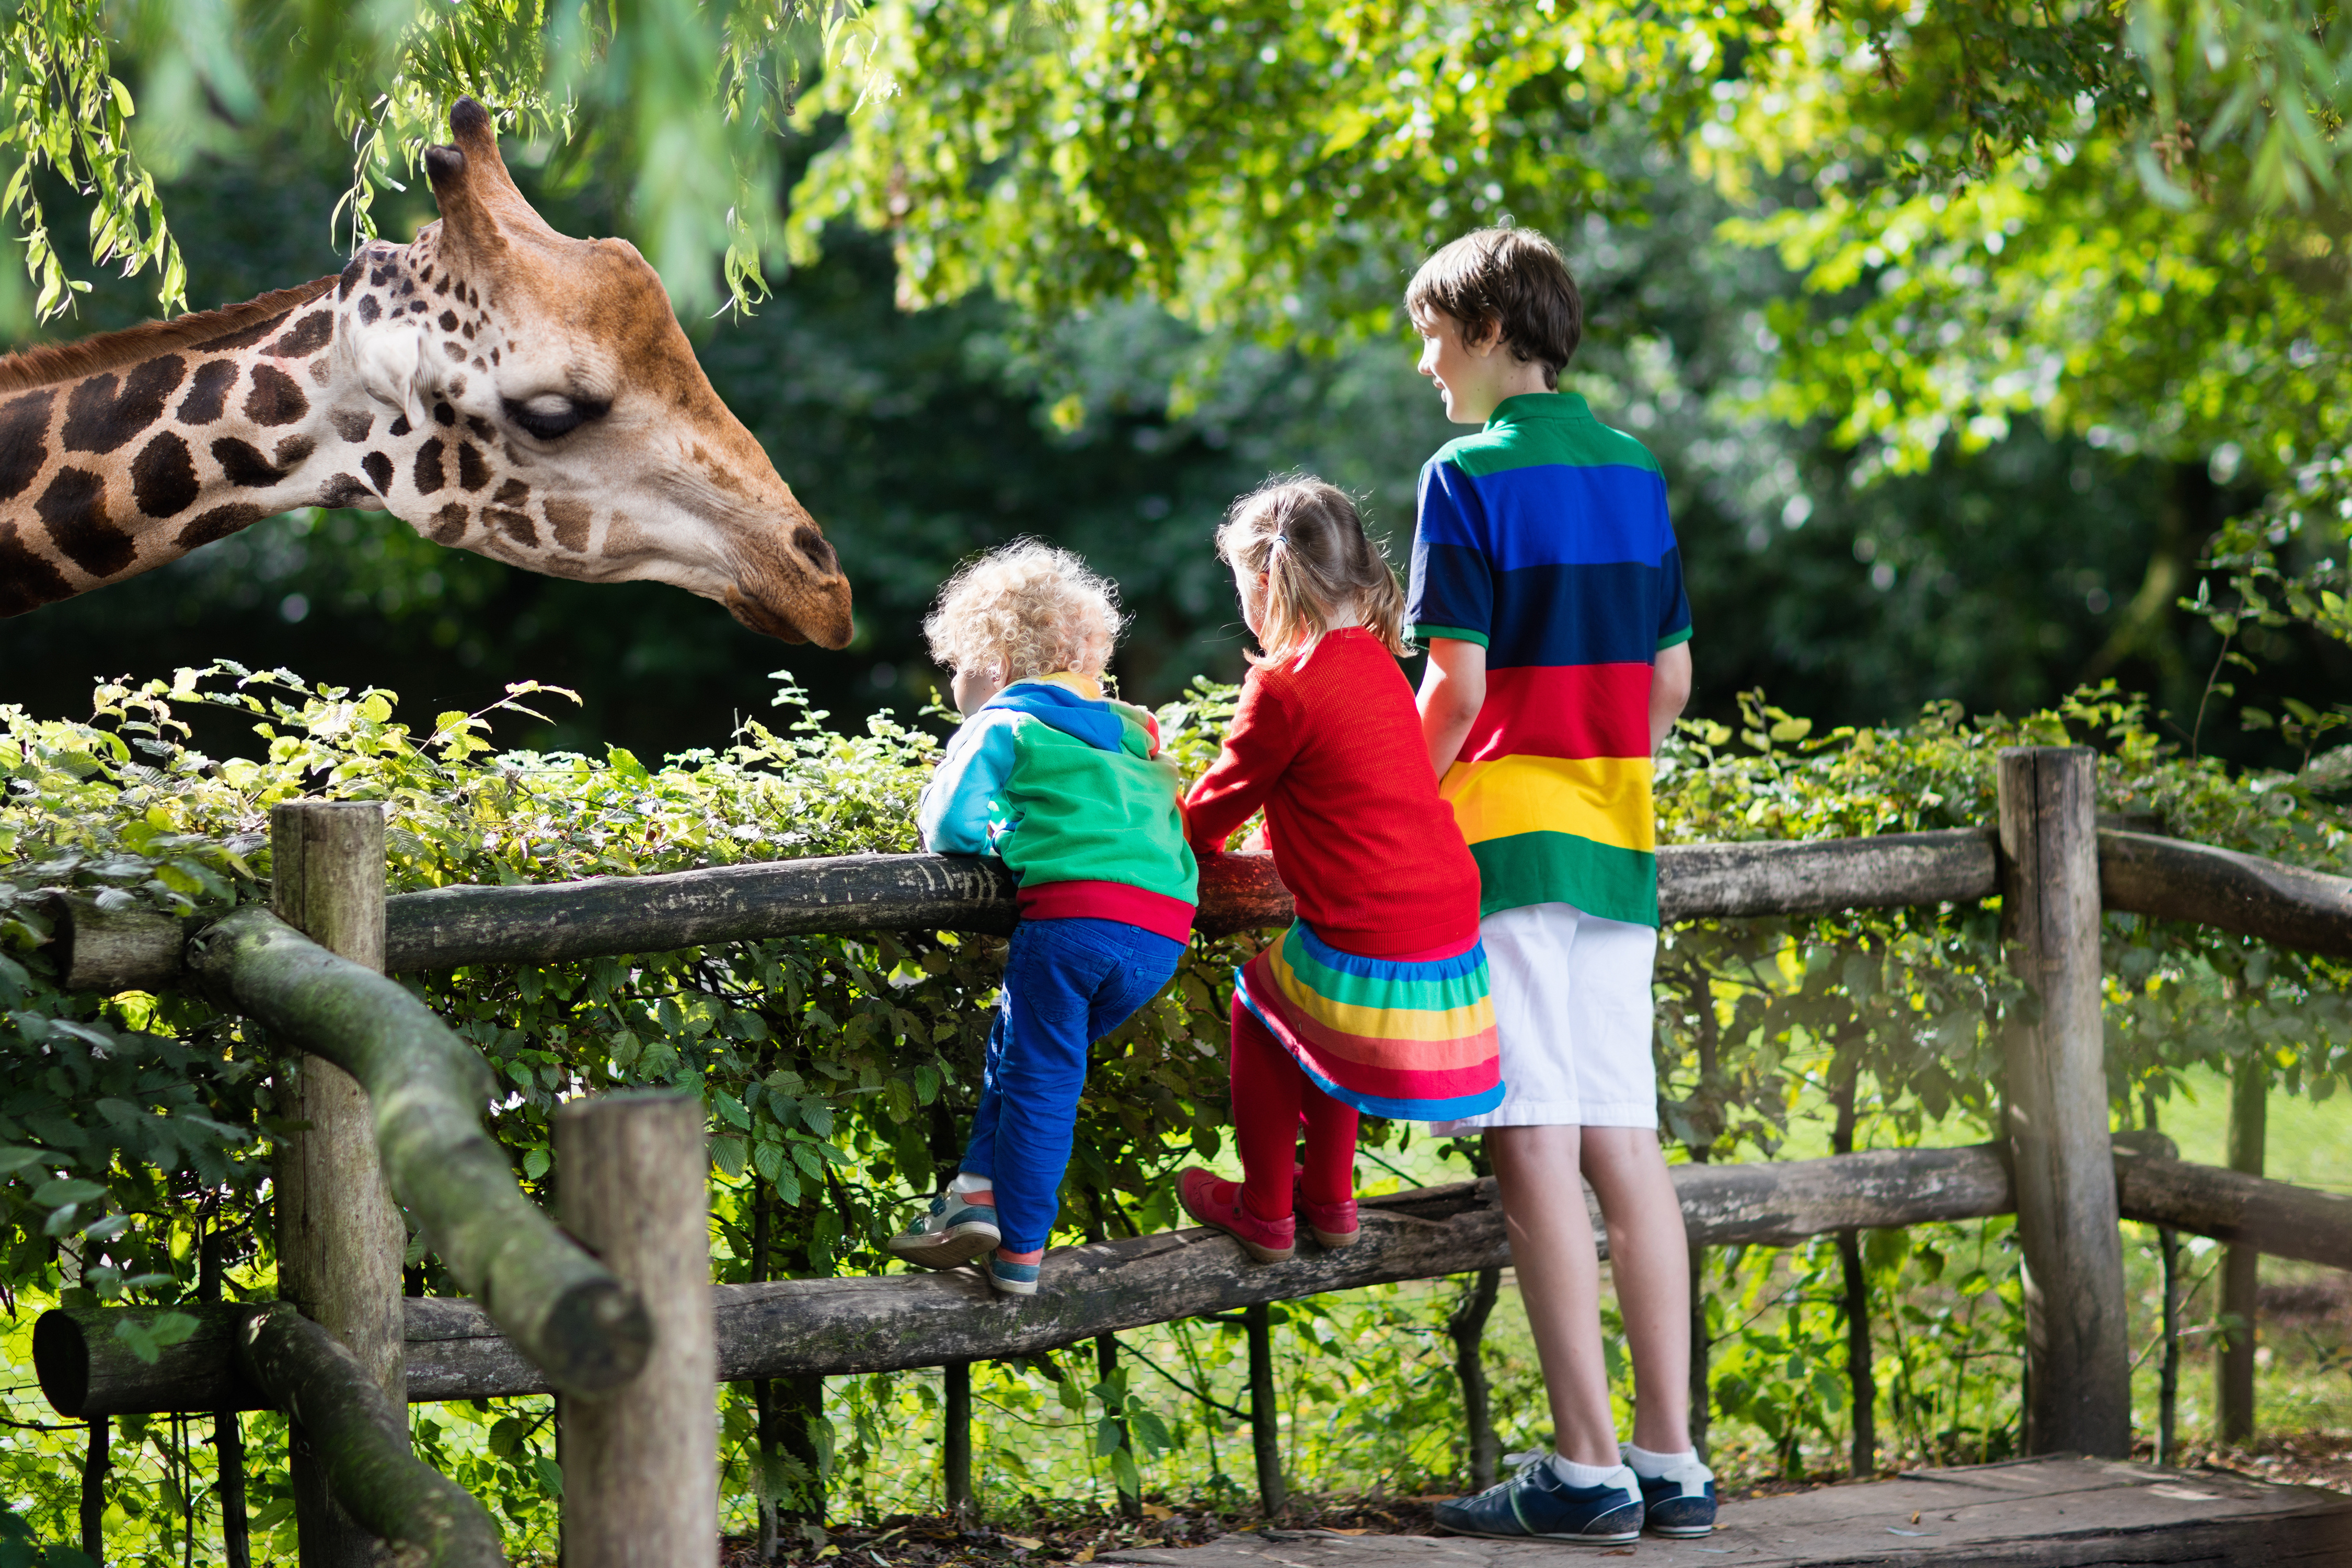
{"x": 1544, "y": 539}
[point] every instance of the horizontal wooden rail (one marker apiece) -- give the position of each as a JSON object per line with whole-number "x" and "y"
{"x": 2175, "y": 879}
{"x": 895, "y": 1321}
{"x": 549, "y": 923}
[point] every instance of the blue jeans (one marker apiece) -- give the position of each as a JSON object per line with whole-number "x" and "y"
{"x": 1067, "y": 983}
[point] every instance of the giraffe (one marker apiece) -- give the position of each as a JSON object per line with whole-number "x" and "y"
{"x": 497, "y": 386}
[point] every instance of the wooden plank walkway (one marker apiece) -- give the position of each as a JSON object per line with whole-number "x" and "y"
{"x": 2058, "y": 1512}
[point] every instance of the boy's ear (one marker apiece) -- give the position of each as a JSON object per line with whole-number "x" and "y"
{"x": 1482, "y": 337}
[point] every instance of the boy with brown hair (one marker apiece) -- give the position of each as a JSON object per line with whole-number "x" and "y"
{"x": 1547, "y": 588}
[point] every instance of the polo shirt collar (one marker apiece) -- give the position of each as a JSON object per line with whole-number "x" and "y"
{"x": 1529, "y": 406}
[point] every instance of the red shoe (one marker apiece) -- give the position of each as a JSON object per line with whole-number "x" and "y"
{"x": 1218, "y": 1205}
{"x": 1334, "y": 1224}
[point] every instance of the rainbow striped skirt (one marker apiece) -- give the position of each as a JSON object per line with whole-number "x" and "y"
{"x": 1405, "y": 1039}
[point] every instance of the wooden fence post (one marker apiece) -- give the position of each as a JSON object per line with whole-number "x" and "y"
{"x": 339, "y": 1234}
{"x": 955, "y": 1440}
{"x": 641, "y": 1464}
{"x": 1265, "y": 1429}
{"x": 2078, "y": 1388}
{"x": 2233, "y": 1350}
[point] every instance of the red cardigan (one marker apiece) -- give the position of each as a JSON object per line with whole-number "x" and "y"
{"x": 1332, "y": 747}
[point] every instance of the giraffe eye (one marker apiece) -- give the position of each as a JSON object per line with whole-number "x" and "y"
{"x": 551, "y": 414}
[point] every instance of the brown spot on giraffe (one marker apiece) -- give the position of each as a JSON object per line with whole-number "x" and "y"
{"x": 310, "y": 335}
{"x": 570, "y": 520}
{"x": 208, "y": 393}
{"x": 353, "y": 424}
{"x": 242, "y": 464}
{"x": 219, "y": 523}
{"x": 428, "y": 473}
{"x": 275, "y": 399}
{"x": 472, "y": 472}
{"x": 164, "y": 477}
{"x": 515, "y": 525}
{"x": 23, "y": 447}
{"x": 292, "y": 450}
{"x": 27, "y": 581}
{"x": 99, "y": 419}
{"x": 449, "y": 522}
{"x": 73, "y": 508}
{"x": 378, "y": 469}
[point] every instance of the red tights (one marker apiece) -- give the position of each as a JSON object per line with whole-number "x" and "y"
{"x": 1271, "y": 1097}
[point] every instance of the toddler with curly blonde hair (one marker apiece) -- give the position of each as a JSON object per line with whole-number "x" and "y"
{"x": 1067, "y": 787}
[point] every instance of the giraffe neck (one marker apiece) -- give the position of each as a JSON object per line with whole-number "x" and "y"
{"x": 107, "y": 475}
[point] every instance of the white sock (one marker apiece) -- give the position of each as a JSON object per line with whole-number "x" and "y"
{"x": 1581, "y": 1476}
{"x": 967, "y": 1182}
{"x": 1650, "y": 1465}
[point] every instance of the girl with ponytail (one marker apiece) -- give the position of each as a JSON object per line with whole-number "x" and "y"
{"x": 1375, "y": 1001}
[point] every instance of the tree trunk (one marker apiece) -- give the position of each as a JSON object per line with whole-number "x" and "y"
{"x": 2077, "y": 1333}
{"x": 1468, "y": 1328}
{"x": 641, "y": 1463}
{"x": 565, "y": 1309}
{"x": 360, "y": 1440}
{"x": 2233, "y": 1351}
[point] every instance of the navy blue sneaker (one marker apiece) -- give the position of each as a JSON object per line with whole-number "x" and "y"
{"x": 1680, "y": 1503}
{"x": 1012, "y": 1278}
{"x": 950, "y": 1233}
{"x": 1536, "y": 1503}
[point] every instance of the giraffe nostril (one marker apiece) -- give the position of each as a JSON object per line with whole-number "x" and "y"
{"x": 813, "y": 545}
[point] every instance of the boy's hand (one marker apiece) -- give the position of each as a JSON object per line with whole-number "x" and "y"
{"x": 1452, "y": 690}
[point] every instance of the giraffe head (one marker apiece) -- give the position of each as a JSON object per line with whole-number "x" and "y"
{"x": 557, "y": 415}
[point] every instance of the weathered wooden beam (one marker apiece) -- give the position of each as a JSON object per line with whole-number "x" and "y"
{"x": 2175, "y": 879}
{"x": 99, "y": 950}
{"x": 359, "y": 1438}
{"x": 129, "y": 949}
{"x": 1725, "y": 881}
{"x": 428, "y": 1089}
{"x": 456, "y": 1351}
{"x": 799, "y": 1326}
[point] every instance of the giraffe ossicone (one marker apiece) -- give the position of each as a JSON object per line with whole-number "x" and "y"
{"x": 497, "y": 386}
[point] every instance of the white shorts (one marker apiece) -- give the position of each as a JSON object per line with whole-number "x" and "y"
{"x": 1574, "y": 1014}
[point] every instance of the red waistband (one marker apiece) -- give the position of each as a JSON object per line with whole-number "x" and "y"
{"x": 1155, "y": 912}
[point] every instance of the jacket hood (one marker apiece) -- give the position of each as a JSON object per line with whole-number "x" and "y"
{"x": 1105, "y": 725}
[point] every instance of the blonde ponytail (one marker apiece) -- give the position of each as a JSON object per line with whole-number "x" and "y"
{"x": 1321, "y": 568}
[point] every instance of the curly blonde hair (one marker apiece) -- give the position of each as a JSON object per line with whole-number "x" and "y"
{"x": 1025, "y": 610}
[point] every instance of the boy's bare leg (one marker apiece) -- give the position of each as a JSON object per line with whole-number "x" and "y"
{"x": 1560, "y": 1282}
{"x": 1649, "y": 1256}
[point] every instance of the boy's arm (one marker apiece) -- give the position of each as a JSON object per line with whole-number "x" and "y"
{"x": 1452, "y": 690}
{"x": 954, "y": 815}
{"x": 1670, "y": 688}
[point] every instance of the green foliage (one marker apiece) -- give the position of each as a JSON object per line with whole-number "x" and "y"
{"x": 838, "y": 1071}
{"x": 693, "y": 100}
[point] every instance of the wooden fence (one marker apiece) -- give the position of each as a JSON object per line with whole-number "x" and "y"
{"x": 631, "y": 1340}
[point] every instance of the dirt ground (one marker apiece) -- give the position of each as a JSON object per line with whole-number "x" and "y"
{"x": 935, "y": 1541}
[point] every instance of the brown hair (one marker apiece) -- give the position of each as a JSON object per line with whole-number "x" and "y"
{"x": 1513, "y": 278}
{"x": 1025, "y": 610}
{"x": 1320, "y": 565}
